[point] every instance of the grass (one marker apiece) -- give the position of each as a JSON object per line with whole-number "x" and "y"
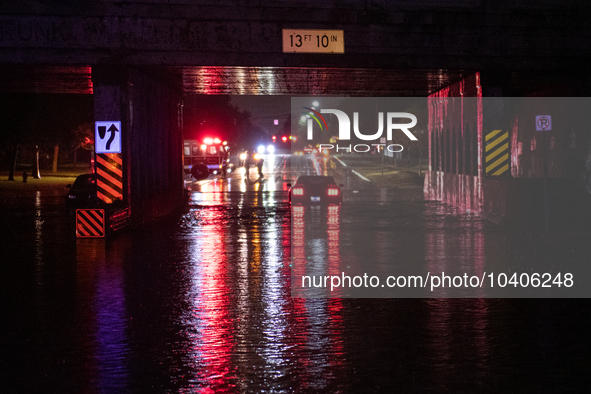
{"x": 54, "y": 183}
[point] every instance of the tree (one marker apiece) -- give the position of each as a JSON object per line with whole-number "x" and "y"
{"x": 44, "y": 120}
{"x": 12, "y": 109}
{"x": 83, "y": 139}
{"x": 215, "y": 116}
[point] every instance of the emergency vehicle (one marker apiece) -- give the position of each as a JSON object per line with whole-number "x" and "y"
{"x": 210, "y": 156}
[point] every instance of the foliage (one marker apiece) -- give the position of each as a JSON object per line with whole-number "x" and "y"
{"x": 43, "y": 120}
{"x": 84, "y": 137}
{"x": 215, "y": 116}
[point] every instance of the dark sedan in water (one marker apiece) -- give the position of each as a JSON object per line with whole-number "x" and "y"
{"x": 310, "y": 190}
{"x": 82, "y": 193}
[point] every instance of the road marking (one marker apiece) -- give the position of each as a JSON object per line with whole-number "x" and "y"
{"x": 343, "y": 163}
{"x": 354, "y": 172}
{"x": 360, "y": 176}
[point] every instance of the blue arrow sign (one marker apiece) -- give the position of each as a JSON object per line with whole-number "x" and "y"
{"x": 107, "y": 137}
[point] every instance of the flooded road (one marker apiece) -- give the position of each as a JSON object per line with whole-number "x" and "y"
{"x": 202, "y": 302}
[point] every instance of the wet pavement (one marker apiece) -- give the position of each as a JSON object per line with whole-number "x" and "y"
{"x": 202, "y": 301}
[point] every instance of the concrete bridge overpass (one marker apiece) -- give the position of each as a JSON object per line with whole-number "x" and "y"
{"x": 395, "y": 34}
{"x": 139, "y": 58}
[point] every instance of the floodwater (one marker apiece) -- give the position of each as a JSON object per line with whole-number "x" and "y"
{"x": 202, "y": 302}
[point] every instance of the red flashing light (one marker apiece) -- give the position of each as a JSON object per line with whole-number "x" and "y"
{"x": 284, "y": 139}
{"x": 212, "y": 141}
{"x": 298, "y": 191}
{"x": 274, "y": 138}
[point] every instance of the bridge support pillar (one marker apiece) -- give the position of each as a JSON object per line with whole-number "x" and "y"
{"x": 150, "y": 111}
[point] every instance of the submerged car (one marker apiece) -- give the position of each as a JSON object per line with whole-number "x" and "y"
{"x": 311, "y": 189}
{"x": 83, "y": 192}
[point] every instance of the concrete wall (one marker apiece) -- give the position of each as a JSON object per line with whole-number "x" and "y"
{"x": 455, "y": 145}
{"x": 149, "y": 110}
{"x": 569, "y": 130}
{"x": 458, "y": 125}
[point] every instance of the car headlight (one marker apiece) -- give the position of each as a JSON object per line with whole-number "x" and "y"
{"x": 243, "y": 156}
{"x": 257, "y": 156}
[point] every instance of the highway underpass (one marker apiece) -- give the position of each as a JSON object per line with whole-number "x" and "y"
{"x": 140, "y": 59}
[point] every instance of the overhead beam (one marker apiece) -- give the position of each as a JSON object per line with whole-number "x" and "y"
{"x": 391, "y": 35}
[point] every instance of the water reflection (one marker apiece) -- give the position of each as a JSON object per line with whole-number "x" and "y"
{"x": 211, "y": 192}
{"x": 450, "y": 319}
{"x": 209, "y": 325}
{"x": 239, "y": 298}
{"x": 205, "y": 305}
{"x": 374, "y": 244}
{"x": 245, "y": 330}
{"x": 38, "y": 240}
{"x": 455, "y": 248}
{"x": 101, "y": 288}
{"x": 316, "y": 250}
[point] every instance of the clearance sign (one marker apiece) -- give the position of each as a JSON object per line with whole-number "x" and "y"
{"x": 313, "y": 41}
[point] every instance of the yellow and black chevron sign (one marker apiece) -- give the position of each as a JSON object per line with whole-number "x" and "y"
{"x": 496, "y": 153}
{"x": 90, "y": 223}
{"x": 109, "y": 179}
